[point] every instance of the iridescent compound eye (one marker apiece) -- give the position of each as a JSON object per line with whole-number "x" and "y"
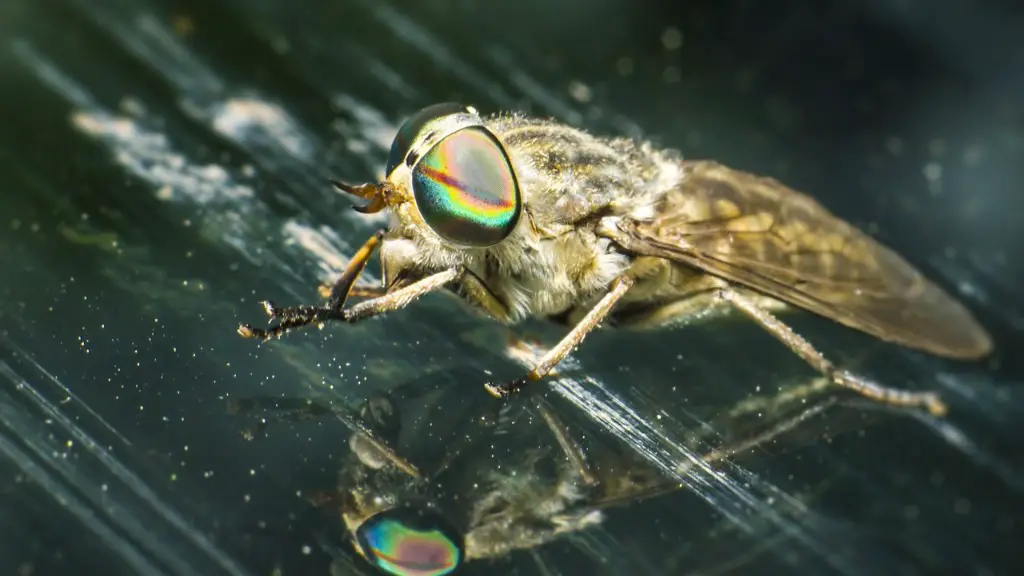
{"x": 409, "y": 542}
{"x": 466, "y": 190}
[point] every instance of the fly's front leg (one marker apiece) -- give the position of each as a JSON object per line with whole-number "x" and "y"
{"x": 812, "y": 356}
{"x": 292, "y": 318}
{"x": 299, "y": 316}
{"x": 618, "y": 289}
{"x": 401, "y": 298}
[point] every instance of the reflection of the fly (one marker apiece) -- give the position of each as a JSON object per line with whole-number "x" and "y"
{"x": 437, "y": 476}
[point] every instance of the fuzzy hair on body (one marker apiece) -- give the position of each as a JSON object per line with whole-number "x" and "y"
{"x": 554, "y": 260}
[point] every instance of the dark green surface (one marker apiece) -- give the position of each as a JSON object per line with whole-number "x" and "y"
{"x": 164, "y": 168}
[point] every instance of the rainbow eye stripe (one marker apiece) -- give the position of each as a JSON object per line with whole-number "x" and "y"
{"x": 406, "y": 542}
{"x": 466, "y": 189}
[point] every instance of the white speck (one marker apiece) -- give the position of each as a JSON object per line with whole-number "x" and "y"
{"x": 132, "y": 106}
{"x": 672, "y": 38}
{"x": 246, "y": 118}
{"x": 149, "y": 156}
{"x": 579, "y": 91}
{"x": 973, "y": 154}
{"x": 894, "y": 145}
{"x": 932, "y": 171}
{"x": 624, "y": 66}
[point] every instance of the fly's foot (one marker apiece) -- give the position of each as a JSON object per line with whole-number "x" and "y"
{"x": 251, "y": 332}
{"x": 502, "y": 391}
{"x": 289, "y": 318}
{"x": 930, "y": 401}
{"x": 934, "y": 404}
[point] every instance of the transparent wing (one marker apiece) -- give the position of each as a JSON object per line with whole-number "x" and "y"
{"x": 757, "y": 232}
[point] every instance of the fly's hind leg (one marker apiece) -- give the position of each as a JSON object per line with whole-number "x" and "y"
{"x": 812, "y": 356}
{"x": 696, "y": 308}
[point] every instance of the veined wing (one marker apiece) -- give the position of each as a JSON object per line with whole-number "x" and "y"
{"x": 757, "y": 232}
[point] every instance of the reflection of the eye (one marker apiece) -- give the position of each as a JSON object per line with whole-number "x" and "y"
{"x": 408, "y": 541}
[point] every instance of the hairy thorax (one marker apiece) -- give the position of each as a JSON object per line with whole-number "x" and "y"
{"x": 554, "y": 259}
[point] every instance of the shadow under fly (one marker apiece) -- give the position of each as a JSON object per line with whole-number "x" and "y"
{"x": 436, "y": 479}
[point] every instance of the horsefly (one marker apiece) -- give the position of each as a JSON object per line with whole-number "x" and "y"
{"x": 524, "y": 217}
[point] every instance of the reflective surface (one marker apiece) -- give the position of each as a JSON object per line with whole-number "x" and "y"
{"x": 165, "y": 166}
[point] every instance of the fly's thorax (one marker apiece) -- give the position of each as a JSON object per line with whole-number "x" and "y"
{"x": 569, "y": 176}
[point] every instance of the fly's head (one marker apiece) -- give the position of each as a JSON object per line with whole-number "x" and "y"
{"x": 453, "y": 191}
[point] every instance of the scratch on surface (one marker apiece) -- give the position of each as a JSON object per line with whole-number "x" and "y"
{"x": 145, "y": 153}
{"x": 69, "y": 500}
{"x": 326, "y": 246}
{"x": 966, "y": 282}
{"x": 242, "y": 118}
{"x": 372, "y": 126}
{"x": 254, "y": 122}
{"x": 64, "y": 471}
{"x": 435, "y": 48}
{"x": 272, "y": 136}
{"x": 150, "y": 156}
{"x": 735, "y": 498}
{"x": 982, "y": 458}
{"x": 240, "y": 220}
{"x": 534, "y": 89}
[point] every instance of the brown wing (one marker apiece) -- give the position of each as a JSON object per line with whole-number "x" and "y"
{"x": 757, "y": 232}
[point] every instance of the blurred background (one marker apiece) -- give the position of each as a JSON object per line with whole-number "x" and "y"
{"x": 164, "y": 168}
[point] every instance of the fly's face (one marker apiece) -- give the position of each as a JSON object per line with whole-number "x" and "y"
{"x": 453, "y": 190}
